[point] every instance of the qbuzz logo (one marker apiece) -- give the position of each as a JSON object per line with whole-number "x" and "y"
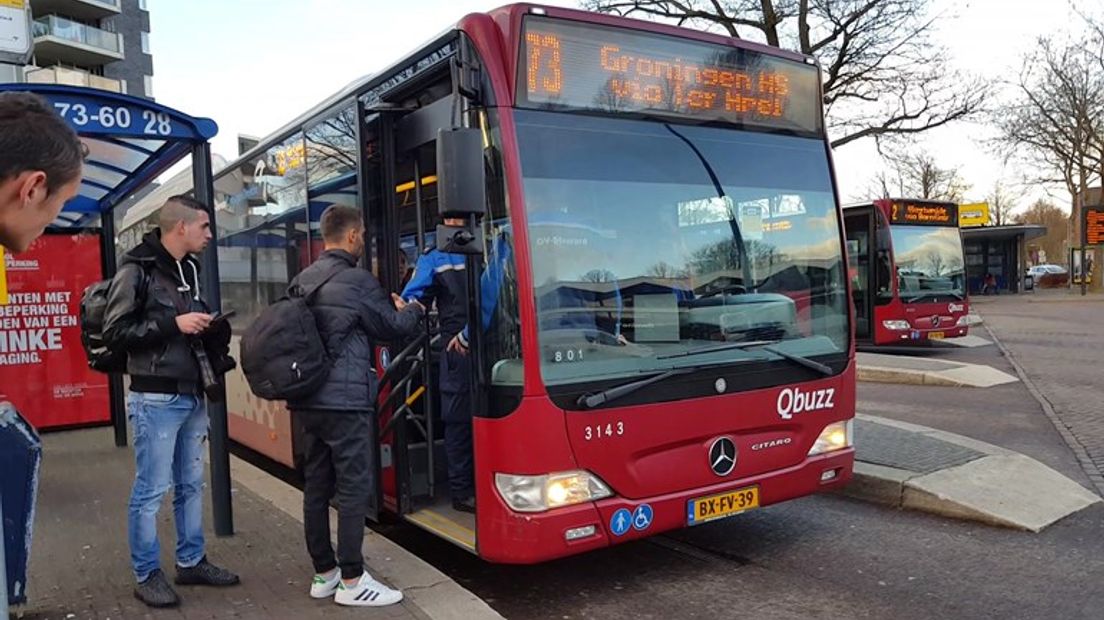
{"x": 792, "y": 401}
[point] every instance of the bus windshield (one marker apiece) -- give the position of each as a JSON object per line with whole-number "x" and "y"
{"x": 651, "y": 243}
{"x": 929, "y": 262}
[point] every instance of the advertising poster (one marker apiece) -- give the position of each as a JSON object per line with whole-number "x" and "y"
{"x": 43, "y": 369}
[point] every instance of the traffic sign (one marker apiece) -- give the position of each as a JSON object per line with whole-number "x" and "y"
{"x": 16, "y": 41}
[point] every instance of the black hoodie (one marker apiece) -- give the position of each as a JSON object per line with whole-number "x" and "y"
{"x": 159, "y": 356}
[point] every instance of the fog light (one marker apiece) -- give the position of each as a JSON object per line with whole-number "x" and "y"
{"x": 828, "y": 475}
{"x": 896, "y": 325}
{"x": 579, "y": 532}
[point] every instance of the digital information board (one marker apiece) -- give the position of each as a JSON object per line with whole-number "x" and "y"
{"x": 567, "y": 65}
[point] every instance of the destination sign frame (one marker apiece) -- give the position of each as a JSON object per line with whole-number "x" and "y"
{"x": 566, "y": 65}
{"x": 923, "y": 213}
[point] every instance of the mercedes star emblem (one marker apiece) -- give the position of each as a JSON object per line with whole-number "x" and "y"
{"x": 722, "y": 456}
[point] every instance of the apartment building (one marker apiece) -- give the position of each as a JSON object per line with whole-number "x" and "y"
{"x": 97, "y": 43}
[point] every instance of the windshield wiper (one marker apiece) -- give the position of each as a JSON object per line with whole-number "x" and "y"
{"x": 590, "y": 401}
{"x": 919, "y": 296}
{"x": 761, "y": 345}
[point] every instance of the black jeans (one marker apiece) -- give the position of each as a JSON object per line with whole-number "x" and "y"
{"x": 455, "y": 381}
{"x": 337, "y": 463}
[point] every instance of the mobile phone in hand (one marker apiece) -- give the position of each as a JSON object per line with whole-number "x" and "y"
{"x": 221, "y": 316}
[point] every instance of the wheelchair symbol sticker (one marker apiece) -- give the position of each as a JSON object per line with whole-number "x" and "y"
{"x": 620, "y": 522}
{"x": 642, "y": 517}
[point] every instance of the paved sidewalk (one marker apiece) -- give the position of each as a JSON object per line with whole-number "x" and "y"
{"x": 910, "y": 466}
{"x": 80, "y": 562}
{"x": 1059, "y": 350}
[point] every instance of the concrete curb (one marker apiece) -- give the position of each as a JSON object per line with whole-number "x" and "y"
{"x": 982, "y": 490}
{"x": 430, "y": 590}
{"x": 965, "y": 375}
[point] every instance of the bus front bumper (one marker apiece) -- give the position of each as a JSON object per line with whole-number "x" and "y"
{"x": 532, "y": 538}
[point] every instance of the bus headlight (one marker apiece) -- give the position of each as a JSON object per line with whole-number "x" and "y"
{"x": 835, "y": 436}
{"x": 963, "y": 321}
{"x": 545, "y": 492}
{"x": 896, "y": 325}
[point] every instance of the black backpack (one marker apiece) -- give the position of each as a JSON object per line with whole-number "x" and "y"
{"x": 93, "y": 307}
{"x": 282, "y": 353}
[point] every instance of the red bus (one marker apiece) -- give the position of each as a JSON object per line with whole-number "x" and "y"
{"x": 669, "y": 335}
{"x": 908, "y": 275}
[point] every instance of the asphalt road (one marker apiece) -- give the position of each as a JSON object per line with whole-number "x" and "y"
{"x": 818, "y": 557}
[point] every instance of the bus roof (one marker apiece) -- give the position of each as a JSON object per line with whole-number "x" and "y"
{"x": 362, "y": 85}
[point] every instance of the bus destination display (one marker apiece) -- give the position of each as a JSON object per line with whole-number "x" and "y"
{"x": 566, "y": 65}
{"x": 923, "y": 213}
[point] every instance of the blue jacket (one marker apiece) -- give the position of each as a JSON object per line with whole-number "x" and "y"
{"x": 491, "y": 286}
{"x": 442, "y": 278}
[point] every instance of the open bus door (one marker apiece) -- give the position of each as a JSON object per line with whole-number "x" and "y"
{"x": 403, "y": 214}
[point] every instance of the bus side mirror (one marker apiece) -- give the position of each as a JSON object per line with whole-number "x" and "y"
{"x": 461, "y": 187}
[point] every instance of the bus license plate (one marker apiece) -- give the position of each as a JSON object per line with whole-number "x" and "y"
{"x": 720, "y": 506}
{"x": 935, "y": 336}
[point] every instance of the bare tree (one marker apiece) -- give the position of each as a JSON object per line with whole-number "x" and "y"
{"x": 1046, "y": 213}
{"x": 1001, "y": 204}
{"x": 1055, "y": 123}
{"x": 883, "y": 74}
{"x": 918, "y": 175}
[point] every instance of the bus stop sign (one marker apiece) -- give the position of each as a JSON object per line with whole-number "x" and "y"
{"x": 16, "y": 42}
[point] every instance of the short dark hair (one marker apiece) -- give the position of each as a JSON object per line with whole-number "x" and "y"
{"x": 34, "y": 137}
{"x": 337, "y": 220}
{"x": 180, "y": 208}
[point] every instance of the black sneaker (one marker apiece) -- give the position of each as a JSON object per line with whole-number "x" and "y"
{"x": 155, "y": 591}
{"x": 205, "y": 574}
{"x": 464, "y": 505}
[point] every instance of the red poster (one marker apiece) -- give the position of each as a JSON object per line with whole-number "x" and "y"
{"x": 43, "y": 369}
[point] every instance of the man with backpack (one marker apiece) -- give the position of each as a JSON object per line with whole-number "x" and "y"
{"x": 156, "y": 314}
{"x": 352, "y": 312}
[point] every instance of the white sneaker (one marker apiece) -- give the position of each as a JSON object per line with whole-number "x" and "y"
{"x": 366, "y": 593}
{"x": 325, "y": 588}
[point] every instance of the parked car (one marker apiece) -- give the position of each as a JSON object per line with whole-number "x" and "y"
{"x": 1049, "y": 276}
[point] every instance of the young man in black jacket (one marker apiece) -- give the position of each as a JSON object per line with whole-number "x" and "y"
{"x": 353, "y": 313}
{"x": 156, "y": 313}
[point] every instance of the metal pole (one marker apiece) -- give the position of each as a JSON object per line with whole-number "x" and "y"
{"x": 1084, "y": 241}
{"x": 220, "y": 432}
{"x": 116, "y": 398}
{"x": 427, "y": 354}
{"x": 1079, "y": 224}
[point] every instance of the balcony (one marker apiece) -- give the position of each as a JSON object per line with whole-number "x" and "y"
{"x": 79, "y": 9}
{"x": 72, "y": 77}
{"x": 64, "y": 41}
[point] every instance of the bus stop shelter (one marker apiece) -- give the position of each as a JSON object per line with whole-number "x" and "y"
{"x": 131, "y": 142}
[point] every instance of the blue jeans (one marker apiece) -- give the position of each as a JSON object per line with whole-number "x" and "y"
{"x": 169, "y": 435}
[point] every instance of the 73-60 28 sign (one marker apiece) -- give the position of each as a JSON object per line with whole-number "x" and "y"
{"x": 91, "y": 116}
